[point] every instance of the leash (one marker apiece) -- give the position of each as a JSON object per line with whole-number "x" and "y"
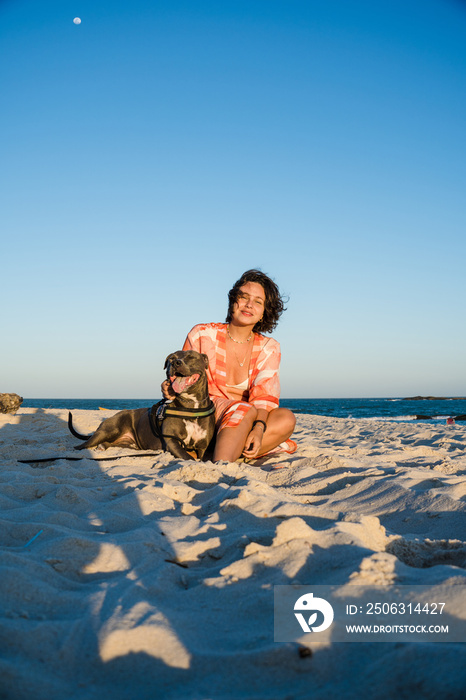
{"x": 77, "y": 459}
{"x": 160, "y": 410}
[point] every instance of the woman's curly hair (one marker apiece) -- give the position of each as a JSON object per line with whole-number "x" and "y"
{"x": 273, "y": 307}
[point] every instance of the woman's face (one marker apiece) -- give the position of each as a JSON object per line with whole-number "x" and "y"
{"x": 249, "y": 306}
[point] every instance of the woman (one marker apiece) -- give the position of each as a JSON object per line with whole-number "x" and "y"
{"x": 243, "y": 372}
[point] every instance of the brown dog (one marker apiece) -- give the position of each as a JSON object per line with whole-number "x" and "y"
{"x": 182, "y": 426}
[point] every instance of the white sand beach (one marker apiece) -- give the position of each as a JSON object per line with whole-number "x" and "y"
{"x": 141, "y": 576}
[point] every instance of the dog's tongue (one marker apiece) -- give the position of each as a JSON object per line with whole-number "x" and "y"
{"x": 180, "y": 384}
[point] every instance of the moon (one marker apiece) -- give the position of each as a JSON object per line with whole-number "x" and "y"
{"x": 77, "y": 20}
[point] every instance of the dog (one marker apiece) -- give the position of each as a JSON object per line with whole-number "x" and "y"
{"x": 183, "y": 426}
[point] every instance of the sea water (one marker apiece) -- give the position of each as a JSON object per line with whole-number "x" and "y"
{"x": 394, "y": 409}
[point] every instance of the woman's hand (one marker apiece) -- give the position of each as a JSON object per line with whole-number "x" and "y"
{"x": 253, "y": 442}
{"x": 167, "y": 391}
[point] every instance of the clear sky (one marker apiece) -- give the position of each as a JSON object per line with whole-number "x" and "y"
{"x": 158, "y": 149}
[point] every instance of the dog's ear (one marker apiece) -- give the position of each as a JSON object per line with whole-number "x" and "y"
{"x": 206, "y": 359}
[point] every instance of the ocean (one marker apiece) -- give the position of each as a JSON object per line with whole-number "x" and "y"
{"x": 402, "y": 409}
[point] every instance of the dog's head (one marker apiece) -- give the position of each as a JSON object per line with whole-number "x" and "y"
{"x": 185, "y": 368}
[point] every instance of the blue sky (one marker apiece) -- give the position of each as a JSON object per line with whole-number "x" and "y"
{"x": 154, "y": 152}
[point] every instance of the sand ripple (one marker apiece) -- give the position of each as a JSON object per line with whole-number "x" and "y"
{"x": 143, "y": 576}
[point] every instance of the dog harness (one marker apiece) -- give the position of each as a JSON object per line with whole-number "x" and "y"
{"x": 161, "y": 410}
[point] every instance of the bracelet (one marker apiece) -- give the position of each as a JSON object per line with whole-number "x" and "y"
{"x": 260, "y": 421}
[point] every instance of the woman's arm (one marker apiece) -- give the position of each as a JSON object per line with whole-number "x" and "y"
{"x": 264, "y": 394}
{"x": 254, "y": 439}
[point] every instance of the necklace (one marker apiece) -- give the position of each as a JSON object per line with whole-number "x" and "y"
{"x": 240, "y": 342}
{"x": 244, "y": 360}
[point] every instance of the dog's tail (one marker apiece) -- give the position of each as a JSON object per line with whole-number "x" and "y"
{"x": 75, "y": 432}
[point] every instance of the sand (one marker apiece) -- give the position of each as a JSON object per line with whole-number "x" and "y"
{"x": 141, "y": 576}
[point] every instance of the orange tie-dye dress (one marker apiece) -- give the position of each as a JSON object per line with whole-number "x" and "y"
{"x": 263, "y": 381}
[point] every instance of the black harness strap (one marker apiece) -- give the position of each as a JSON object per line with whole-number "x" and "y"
{"x": 190, "y": 412}
{"x": 160, "y": 410}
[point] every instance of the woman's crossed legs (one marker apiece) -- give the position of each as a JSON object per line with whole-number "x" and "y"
{"x": 234, "y": 423}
